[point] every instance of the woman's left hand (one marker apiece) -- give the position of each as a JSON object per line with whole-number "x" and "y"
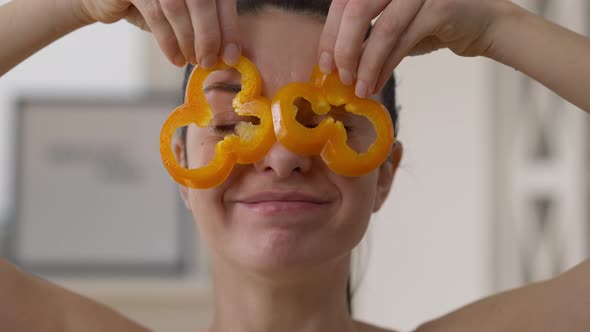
{"x": 404, "y": 27}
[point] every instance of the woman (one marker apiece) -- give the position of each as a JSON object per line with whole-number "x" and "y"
{"x": 281, "y": 230}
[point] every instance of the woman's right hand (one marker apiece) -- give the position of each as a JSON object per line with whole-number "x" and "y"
{"x": 197, "y": 31}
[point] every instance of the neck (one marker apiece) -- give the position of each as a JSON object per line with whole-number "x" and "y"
{"x": 307, "y": 300}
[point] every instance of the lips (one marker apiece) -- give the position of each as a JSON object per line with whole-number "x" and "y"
{"x": 284, "y": 203}
{"x": 264, "y": 197}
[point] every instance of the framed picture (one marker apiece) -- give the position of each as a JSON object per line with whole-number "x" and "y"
{"x": 91, "y": 195}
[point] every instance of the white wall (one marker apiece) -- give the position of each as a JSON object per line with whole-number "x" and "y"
{"x": 430, "y": 243}
{"x": 103, "y": 59}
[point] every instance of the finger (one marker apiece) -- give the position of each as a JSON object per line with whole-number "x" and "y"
{"x": 427, "y": 45}
{"x": 329, "y": 35}
{"x": 161, "y": 29}
{"x": 134, "y": 17}
{"x": 207, "y": 35}
{"x": 391, "y": 24}
{"x": 179, "y": 18}
{"x": 421, "y": 27}
{"x": 355, "y": 23}
{"x": 228, "y": 23}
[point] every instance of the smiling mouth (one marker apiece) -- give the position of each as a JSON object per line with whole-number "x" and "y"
{"x": 283, "y": 203}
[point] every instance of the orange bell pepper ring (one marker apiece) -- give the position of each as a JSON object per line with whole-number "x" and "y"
{"x": 328, "y": 138}
{"x": 250, "y": 142}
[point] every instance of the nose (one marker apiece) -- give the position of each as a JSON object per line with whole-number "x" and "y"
{"x": 283, "y": 162}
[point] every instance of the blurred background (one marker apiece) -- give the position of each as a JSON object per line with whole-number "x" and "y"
{"x": 493, "y": 191}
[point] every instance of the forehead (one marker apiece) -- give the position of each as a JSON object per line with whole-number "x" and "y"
{"x": 282, "y": 44}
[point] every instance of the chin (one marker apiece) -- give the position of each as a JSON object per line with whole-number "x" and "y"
{"x": 280, "y": 252}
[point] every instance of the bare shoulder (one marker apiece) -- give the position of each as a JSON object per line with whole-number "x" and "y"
{"x": 366, "y": 327}
{"x": 558, "y": 304}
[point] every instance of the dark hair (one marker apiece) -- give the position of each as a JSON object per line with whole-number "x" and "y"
{"x": 319, "y": 8}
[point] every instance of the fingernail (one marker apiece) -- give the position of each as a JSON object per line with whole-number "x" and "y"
{"x": 209, "y": 61}
{"x": 361, "y": 89}
{"x": 179, "y": 60}
{"x": 326, "y": 63}
{"x": 231, "y": 54}
{"x": 346, "y": 76}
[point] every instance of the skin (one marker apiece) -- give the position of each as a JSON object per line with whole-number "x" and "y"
{"x": 278, "y": 264}
{"x": 266, "y": 262}
{"x": 558, "y": 304}
{"x": 23, "y": 296}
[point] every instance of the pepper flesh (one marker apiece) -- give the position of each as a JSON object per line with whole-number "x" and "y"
{"x": 328, "y": 138}
{"x": 249, "y": 144}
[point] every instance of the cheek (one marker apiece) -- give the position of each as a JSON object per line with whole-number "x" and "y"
{"x": 200, "y": 147}
{"x": 358, "y": 193}
{"x": 358, "y": 198}
{"x": 208, "y": 213}
{"x": 209, "y": 209}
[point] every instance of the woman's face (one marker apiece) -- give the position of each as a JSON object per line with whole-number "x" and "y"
{"x": 286, "y": 210}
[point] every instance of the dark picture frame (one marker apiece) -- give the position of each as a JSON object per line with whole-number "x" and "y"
{"x": 82, "y": 248}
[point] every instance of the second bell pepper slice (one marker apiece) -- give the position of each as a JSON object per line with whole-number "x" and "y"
{"x": 328, "y": 138}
